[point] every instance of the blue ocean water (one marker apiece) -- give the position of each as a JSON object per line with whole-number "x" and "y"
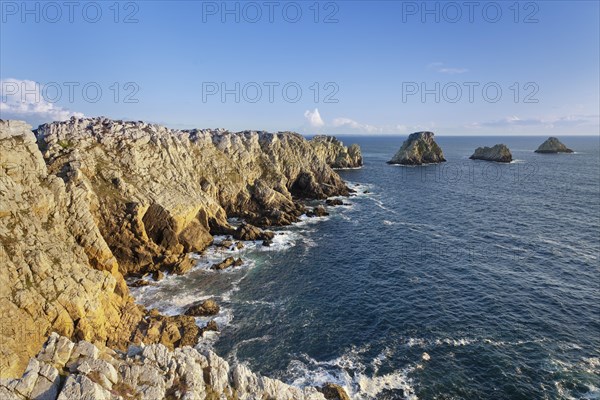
{"x": 465, "y": 280}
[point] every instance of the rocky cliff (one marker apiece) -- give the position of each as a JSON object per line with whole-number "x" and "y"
{"x": 498, "y": 153}
{"x": 158, "y": 194}
{"x": 93, "y": 200}
{"x": 419, "y": 148}
{"x": 65, "y": 370}
{"x": 336, "y": 154}
{"x": 553, "y": 145}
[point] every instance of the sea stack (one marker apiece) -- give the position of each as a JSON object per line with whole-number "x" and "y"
{"x": 498, "y": 153}
{"x": 553, "y": 146}
{"x": 419, "y": 148}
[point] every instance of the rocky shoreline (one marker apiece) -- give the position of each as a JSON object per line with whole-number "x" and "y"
{"x": 88, "y": 202}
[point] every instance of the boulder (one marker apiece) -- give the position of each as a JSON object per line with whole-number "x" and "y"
{"x": 419, "y": 148}
{"x": 318, "y": 211}
{"x": 206, "y": 308}
{"x": 552, "y": 146}
{"x": 331, "y": 391}
{"x": 334, "y": 202}
{"x": 498, "y": 153}
{"x": 251, "y": 232}
{"x": 226, "y": 263}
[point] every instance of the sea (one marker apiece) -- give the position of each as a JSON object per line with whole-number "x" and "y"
{"x": 462, "y": 280}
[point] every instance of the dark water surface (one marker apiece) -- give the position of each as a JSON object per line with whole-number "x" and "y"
{"x": 465, "y": 280}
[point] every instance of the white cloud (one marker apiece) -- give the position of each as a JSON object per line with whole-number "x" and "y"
{"x": 314, "y": 118}
{"x": 23, "y": 100}
{"x": 351, "y": 124}
{"x": 439, "y": 67}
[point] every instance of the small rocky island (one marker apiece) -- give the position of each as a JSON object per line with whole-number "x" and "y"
{"x": 418, "y": 149}
{"x": 552, "y": 146}
{"x": 498, "y": 153}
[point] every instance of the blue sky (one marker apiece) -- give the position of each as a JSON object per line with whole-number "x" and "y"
{"x": 369, "y": 60}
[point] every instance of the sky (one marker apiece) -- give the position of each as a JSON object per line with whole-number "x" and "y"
{"x": 336, "y": 67}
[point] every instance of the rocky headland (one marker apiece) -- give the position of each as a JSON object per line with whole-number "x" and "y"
{"x": 552, "y": 146}
{"x": 420, "y": 148}
{"x": 498, "y": 153}
{"x": 87, "y": 202}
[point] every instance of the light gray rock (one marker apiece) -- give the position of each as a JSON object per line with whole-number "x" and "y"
{"x": 153, "y": 373}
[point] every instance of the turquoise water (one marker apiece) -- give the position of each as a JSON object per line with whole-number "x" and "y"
{"x": 465, "y": 280}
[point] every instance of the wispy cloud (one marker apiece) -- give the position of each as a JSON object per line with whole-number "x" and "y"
{"x": 441, "y": 68}
{"x": 23, "y": 100}
{"x": 314, "y": 118}
{"x": 345, "y": 125}
{"x": 513, "y": 121}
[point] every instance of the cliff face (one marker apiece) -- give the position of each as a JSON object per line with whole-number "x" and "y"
{"x": 58, "y": 273}
{"x": 553, "y": 145}
{"x": 158, "y": 194}
{"x": 419, "y": 148}
{"x": 104, "y": 198}
{"x": 336, "y": 154}
{"x": 498, "y": 153}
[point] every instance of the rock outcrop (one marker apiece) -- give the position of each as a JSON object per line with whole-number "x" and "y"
{"x": 419, "y": 148}
{"x": 93, "y": 200}
{"x": 65, "y": 370}
{"x": 552, "y": 146}
{"x": 498, "y": 153}
{"x": 336, "y": 154}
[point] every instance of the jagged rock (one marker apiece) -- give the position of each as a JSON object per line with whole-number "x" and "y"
{"x": 145, "y": 373}
{"x": 140, "y": 283}
{"x": 251, "y": 232}
{"x": 553, "y": 145}
{"x": 318, "y": 211}
{"x": 206, "y": 308}
{"x": 226, "y": 244}
{"x": 498, "y": 153}
{"x": 226, "y": 263}
{"x": 211, "y": 326}
{"x": 158, "y": 276}
{"x": 334, "y": 202}
{"x": 239, "y": 245}
{"x": 331, "y": 391}
{"x": 337, "y": 155}
{"x": 419, "y": 148}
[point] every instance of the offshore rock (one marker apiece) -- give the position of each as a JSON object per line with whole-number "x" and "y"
{"x": 419, "y": 148}
{"x": 552, "y": 146}
{"x": 498, "y": 153}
